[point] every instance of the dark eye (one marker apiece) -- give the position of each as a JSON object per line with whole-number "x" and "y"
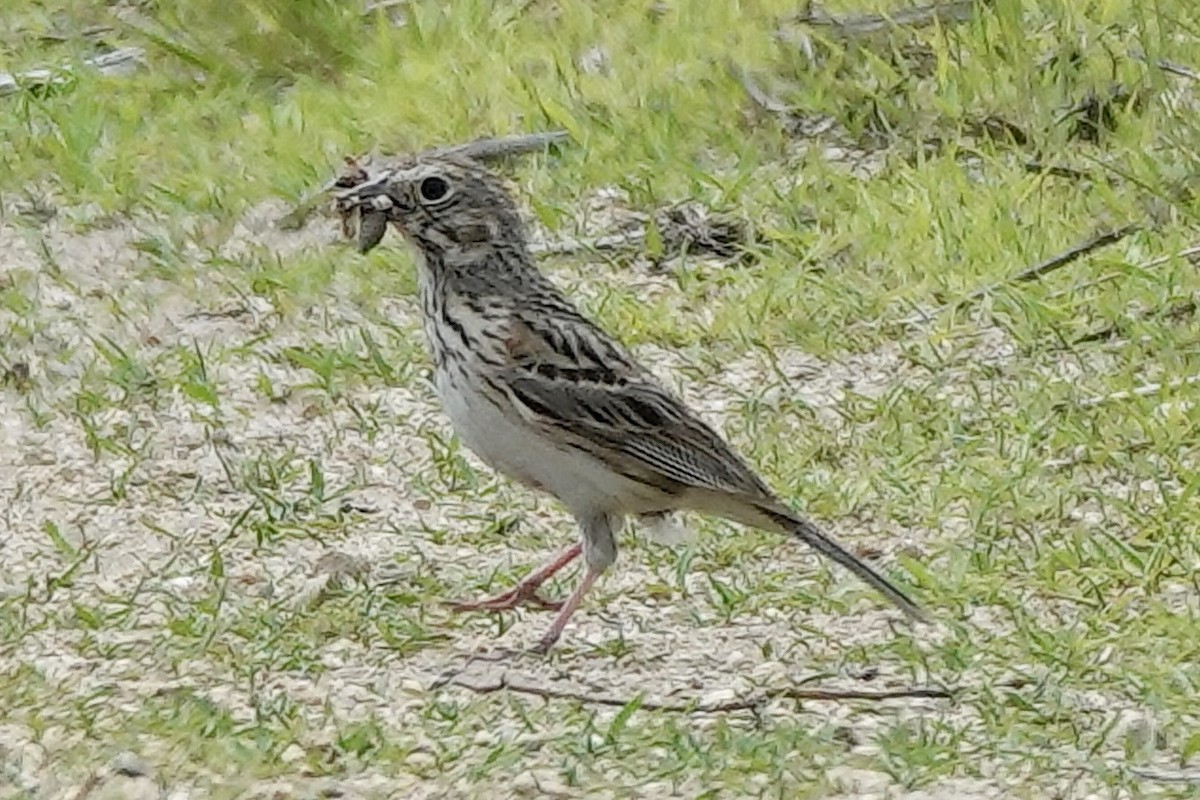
{"x": 434, "y": 189}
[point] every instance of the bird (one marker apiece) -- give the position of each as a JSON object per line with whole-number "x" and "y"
{"x": 542, "y": 394}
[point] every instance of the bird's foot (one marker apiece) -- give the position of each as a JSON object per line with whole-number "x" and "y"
{"x": 544, "y": 644}
{"x": 519, "y": 595}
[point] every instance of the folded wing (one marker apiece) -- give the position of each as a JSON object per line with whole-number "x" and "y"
{"x": 569, "y": 376}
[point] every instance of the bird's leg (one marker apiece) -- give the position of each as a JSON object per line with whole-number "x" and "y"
{"x": 568, "y": 608}
{"x": 599, "y": 551}
{"x": 527, "y": 590}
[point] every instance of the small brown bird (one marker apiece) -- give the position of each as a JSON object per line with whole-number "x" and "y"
{"x": 543, "y": 395}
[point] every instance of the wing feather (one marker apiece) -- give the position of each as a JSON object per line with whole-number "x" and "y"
{"x": 567, "y": 375}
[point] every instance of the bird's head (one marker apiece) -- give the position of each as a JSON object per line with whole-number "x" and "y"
{"x": 447, "y": 207}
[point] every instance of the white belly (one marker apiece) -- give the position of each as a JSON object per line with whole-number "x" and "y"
{"x": 506, "y": 444}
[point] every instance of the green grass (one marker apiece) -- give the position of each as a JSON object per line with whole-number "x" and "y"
{"x": 197, "y": 406}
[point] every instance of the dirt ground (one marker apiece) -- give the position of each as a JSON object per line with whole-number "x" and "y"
{"x": 143, "y": 525}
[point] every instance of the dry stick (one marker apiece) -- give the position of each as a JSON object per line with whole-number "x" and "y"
{"x": 1168, "y": 66}
{"x": 1186, "y": 308}
{"x": 118, "y": 62}
{"x": 1178, "y": 69}
{"x": 850, "y": 28}
{"x": 1084, "y": 456}
{"x": 485, "y": 149}
{"x": 1191, "y": 251}
{"x": 1174, "y": 313}
{"x": 1179, "y": 310}
{"x": 745, "y": 704}
{"x": 917, "y": 17}
{"x": 1166, "y": 776}
{"x": 1036, "y": 271}
{"x": 1057, "y": 171}
{"x": 1125, "y": 394}
{"x": 493, "y": 148}
{"x": 1064, "y": 258}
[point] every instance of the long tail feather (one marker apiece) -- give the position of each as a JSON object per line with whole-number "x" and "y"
{"x": 818, "y": 540}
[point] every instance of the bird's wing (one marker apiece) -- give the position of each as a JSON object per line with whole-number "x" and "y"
{"x": 570, "y": 379}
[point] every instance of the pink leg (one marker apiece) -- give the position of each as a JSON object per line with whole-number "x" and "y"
{"x": 526, "y": 590}
{"x": 568, "y": 608}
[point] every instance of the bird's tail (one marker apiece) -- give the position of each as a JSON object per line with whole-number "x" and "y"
{"x": 788, "y": 522}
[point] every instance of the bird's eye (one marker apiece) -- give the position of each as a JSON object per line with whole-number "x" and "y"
{"x": 434, "y": 189}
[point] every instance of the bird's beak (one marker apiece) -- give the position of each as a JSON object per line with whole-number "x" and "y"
{"x": 367, "y": 206}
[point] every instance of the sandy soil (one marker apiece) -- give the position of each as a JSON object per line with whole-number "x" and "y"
{"x": 153, "y": 539}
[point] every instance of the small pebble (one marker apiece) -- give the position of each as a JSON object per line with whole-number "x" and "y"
{"x": 292, "y": 753}
{"x": 421, "y": 760}
{"x": 129, "y": 765}
{"x": 717, "y": 697}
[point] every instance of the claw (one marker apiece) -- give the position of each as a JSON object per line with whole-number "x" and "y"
{"x": 525, "y": 592}
{"x": 517, "y": 596}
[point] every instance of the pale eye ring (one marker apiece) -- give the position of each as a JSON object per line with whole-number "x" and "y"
{"x": 433, "y": 189}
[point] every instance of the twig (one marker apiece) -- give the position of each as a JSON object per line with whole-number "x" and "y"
{"x": 1140, "y": 391}
{"x": 1168, "y": 66}
{"x": 1177, "y": 69}
{"x": 1058, "y": 172}
{"x": 1178, "y": 311}
{"x": 1036, "y": 271}
{"x": 1189, "y": 252}
{"x": 495, "y": 148}
{"x": 916, "y": 17}
{"x": 1082, "y": 455}
{"x": 485, "y": 149}
{"x": 744, "y": 704}
{"x": 90, "y": 32}
{"x": 1165, "y": 776}
{"x": 1067, "y": 257}
{"x": 118, "y": 62}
